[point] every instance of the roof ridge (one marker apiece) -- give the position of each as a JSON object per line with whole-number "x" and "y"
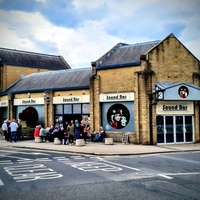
{"x": 28, "y": 52}
{"x": 141, "y": 43}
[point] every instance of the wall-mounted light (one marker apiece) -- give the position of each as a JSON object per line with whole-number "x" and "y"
{"x": 46, "y": 99}
{"x": 83, "y": 93}
{"x": 29, "y": 95}
{"x": 70, "y": 94}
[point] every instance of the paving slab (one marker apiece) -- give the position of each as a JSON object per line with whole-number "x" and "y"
{"x": 103, "y": 149}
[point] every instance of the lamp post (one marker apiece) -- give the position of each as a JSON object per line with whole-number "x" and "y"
{"x": 46, "y": 99}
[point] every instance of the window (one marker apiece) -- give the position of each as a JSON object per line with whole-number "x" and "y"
{"x": 58, "y": 109}
{"x": 85, "y": 108}
{"x": 76, "y": 108}
{"x": 68, "y": 109}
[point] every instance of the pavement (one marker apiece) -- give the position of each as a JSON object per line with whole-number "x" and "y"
{"x": 98, "y": 148}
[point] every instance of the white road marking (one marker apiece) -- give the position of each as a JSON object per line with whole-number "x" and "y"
{"x": 19, "y": 152}
{"x": 182, "y": 174}
{"x": 165, "y": 176}
{"x": 124, "y": 166}
{"x": 31, "y": 172}
{"x": 3, "y": 162}
{"x": 168, "y": 175}
{"x": 1, "y": 182}
{"x": 95, "y": 166}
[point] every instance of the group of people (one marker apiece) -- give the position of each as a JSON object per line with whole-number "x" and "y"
{"x": 74, "y": 130}
{"x": 12, "y": 130}
{"x": 68, "y": 135}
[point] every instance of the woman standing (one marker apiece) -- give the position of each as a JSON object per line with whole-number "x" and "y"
{"x": 70, "y": 133}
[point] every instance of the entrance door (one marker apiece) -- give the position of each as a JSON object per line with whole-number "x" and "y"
{"x": 179, "y": 128}
{"x": 174, "y": 129}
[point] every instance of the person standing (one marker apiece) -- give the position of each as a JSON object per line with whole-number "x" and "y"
{"x": 83, "y": 130}
{"x": 13, "y": 130}
{"x": 70, "y": 133}
{"x": 5, "y": 131}
{"x": 36, "y": 131}
{"x": 77, "y": 129}
{"x": 19, "y": 131}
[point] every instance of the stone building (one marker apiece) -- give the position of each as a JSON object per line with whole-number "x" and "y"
{"x": 136, "y": 89}
{"x": 50, "y": 98}
{"x": 15, "y": 64}
{"x": 149, "y": 91}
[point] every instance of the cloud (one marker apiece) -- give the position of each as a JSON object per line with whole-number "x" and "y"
{"x": 82, "y": 32}
{"x": 78, "y": 46}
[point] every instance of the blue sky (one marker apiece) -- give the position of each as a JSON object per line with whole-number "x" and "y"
{"x": 83, "y": 30}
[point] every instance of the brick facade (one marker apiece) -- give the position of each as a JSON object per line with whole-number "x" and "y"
{"x": 169, "y": 61}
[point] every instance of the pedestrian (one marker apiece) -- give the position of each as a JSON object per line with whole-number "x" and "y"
{"x": 19, "y": 131}
{"x": 36, "y": 131}
{"x": 4, "y": 128}
{"x": 13, "y": 130}
{"x": 77, "y": 129}
{"x": 83, "y": 130}
{"x": 70, "y": 133}
{"x": 42, "y": 133}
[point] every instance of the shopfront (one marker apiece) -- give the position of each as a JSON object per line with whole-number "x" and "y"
{"x": 67, "y": 108}
{"x": 175, "y": 123}
{"x": 118, "y": 112}
{"x": 175, "y": 112}
{"x": 30, "y": 110}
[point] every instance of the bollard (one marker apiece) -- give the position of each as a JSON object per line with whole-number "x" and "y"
{"x": 57, "y": 141}
{"x": 38, "y": 140}
{"x": 79, "y": 142}
{"x": 108, "y": 140}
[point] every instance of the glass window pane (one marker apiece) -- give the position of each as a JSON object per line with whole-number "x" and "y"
{"x": 68, "y": 109}
{"x": 86, "y": 108}
{"x": 169, "y": 129}
{"x": 58, "y": 109}
{"x": 76, "y": 108}
{"x": 188, "y": 129}
{"x": 160, "y": 129}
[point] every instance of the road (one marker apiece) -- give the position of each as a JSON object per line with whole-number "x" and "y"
{"x": 26, "y": 174}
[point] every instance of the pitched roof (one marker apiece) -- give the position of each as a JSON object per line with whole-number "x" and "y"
{"x": 125, "y": 55}
{"x": 54, "y": 80}
{"x": 167, "y": 85}
{"x": 32, "y": 60}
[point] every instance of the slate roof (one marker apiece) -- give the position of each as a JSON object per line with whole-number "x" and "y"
{"x": 125, "y": 55}
{"x": 167, "y": 85}
{"x": 32, "y": 60}
{"x": 70, "y": 79}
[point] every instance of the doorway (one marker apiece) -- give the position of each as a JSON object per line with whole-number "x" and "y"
{"x": 174, "y": 129}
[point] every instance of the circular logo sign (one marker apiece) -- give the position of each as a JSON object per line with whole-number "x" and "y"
{"x": 183, "y": 92}
{"x": 118, "y": 116}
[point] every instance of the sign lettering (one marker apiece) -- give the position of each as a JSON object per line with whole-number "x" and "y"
{"x": 116, "y": 97}
{"x": 71, "y": 99}
{"x": 29, "y": 101}
{"x": 175, "y": 108}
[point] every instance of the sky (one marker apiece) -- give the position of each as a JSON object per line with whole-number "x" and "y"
{"x": 83, "y": 30}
